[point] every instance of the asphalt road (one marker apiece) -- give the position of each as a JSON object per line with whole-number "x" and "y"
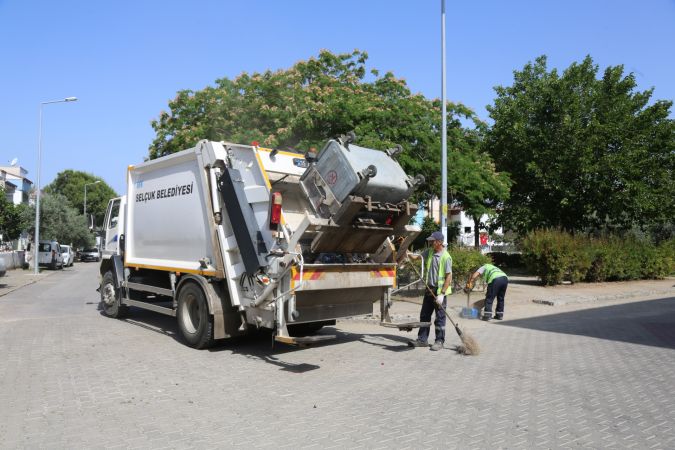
{"x": 580, "y": 377}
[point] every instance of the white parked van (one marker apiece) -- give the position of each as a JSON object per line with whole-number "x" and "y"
{"x": 49, "y": 254}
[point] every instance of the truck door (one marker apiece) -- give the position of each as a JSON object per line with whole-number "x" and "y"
{"x": 112, "y": 228}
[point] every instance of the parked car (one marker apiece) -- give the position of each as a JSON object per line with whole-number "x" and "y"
{"x": 49, "y": 254}
{"x": 68, "y": 255}
{"x": 90, "y": 254}
{"x": 3, "y": 268}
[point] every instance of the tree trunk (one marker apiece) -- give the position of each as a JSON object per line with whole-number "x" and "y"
{"x": 476, "y": 232}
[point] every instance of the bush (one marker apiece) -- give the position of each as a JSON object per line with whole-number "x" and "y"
{"x": 617, "y": 259}
{"x": 465, "y": 261}
{"x": 555, "y": 256}
{"x": 666, "y": 251}
{"x": 548, "y": 254}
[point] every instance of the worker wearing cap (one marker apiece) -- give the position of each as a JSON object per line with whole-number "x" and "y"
{"x": 438, "y": 276}
{"x": 497, "y": 282}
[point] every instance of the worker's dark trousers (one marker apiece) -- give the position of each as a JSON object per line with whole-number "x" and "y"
{"x": 428, "y": 307}
{"x": 496, "y": 288}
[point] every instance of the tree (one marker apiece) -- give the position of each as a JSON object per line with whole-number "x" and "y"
{"x": 476, "y": 185}
{"x": 583, "y": 152}
{"x": 59, "y": 221}
{"x": 70, "y": 184}
{"x": 313, "y": 101}
{"x": 11, "y": 224}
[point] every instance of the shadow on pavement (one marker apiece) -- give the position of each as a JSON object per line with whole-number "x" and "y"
{"x": 259, "y": 345}
{"x": 650, "y": 322}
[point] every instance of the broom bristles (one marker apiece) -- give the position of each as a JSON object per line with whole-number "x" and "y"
{"x": 470, "y": 346}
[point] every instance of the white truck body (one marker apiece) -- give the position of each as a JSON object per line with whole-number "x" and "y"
{"x": 200, "y": 218}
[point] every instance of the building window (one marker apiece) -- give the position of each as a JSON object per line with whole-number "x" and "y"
{"x": 467, "y": 229}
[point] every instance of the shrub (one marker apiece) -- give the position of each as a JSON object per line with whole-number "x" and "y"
{"x": 465, "y": 261}
{"x": 666, "y": 251}
{"x": 548, "y": 254}
{"x": 555, "y": 256}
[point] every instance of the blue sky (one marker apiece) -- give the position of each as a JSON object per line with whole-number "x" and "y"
{"x": 124, "y": 59}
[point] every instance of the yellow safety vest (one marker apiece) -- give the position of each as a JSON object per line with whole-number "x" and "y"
{"x": 441, "y": 270}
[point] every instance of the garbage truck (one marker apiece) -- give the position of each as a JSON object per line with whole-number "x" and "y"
{"x": 230, "y": 238}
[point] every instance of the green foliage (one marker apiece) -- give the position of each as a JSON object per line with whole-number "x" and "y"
{"x": 429, "y": 226}
{"x": 548, "y": 254}
{"x": 70, "y": 184}
{"x": 59, "y": 221}
{"x": 465, "y": 261}
{"x": 11, "y": 224}
{"x": 475, "y": 183}
{"x": 554, "y": 256}
{"x": 621, "y": 259}
{"x": 666, "y": 254}
{"x": 583, "y": 152}
{"x": 321, "y": 98}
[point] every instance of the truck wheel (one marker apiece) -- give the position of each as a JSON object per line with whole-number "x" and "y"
{"x": 111, "y": 301}
{"x": 194, "y": 320}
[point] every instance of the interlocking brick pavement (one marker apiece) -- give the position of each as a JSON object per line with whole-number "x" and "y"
{"x": 581, "y": 377}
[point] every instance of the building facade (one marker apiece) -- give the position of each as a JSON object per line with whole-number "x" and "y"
{"x": 16, "y": 184}
{"x": 466, "y": 225}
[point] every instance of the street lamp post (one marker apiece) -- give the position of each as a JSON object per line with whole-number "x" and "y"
{"x": 85, "y": 196}
{"x": 444, "y": 135}
{"x": 39, "y": 163}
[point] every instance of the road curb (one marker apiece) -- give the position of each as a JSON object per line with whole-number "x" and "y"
{"x": 23, "y": 281}
{"x": 570, "y": 299}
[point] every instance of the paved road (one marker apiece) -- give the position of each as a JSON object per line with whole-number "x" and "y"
{"x": 71, "y": 378}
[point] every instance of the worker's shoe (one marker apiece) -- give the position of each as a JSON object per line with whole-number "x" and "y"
{"x": 499, "y": 316}
{"x": 436, "y": 347}
{"x": 486, "y": 317}
{"x": 417, "y": 343}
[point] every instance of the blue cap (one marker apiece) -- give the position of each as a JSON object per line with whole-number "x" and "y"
{"x": 436, "y": 236}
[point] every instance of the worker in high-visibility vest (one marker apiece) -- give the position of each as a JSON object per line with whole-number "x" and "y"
{"x": 438, "y": 276}
{"x": 497, "y": 282}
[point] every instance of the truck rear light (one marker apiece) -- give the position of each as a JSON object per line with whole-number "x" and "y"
{"x": 275, "y": 210}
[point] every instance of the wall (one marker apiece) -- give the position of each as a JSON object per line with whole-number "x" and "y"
{"x": 13, "y": 260}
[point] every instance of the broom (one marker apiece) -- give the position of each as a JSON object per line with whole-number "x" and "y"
{"x": 469, "y": 345}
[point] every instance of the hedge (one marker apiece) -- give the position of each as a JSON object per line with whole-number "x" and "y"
{"x": 555, "y": 256}
{"x": 465, "y": 261}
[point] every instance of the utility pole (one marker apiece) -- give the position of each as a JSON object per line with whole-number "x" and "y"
{"x": 444, "y": 136}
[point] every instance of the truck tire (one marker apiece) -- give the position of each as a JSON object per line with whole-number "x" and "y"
{"x": 111, "y": 298}
{"x": 194, "y": 321}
